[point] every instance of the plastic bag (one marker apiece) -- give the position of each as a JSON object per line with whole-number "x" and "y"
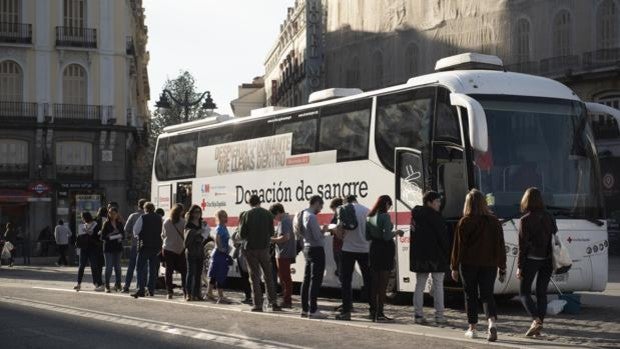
{"x": 555, "y": 306}
{"x": 561, "y": 259}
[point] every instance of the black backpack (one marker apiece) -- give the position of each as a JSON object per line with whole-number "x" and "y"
{"x": 347, "y": 217}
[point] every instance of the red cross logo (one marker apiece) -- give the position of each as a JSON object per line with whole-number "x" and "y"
{"x": 203, "y": 204}
{"x": 569, "y": 240}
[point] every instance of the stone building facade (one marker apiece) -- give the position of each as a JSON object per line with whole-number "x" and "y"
{"x": 73, "y": 107}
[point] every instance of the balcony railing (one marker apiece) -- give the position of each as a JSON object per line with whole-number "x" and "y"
{"x": 12, "y": 170}
{"x": 76, "y": 37}
{"x": 559, "y": 64}
{"x": 601, "y": 58}
{"x": 15, "y": 33}
{"x": 80, "y": 112}
{"x": 75, "y": 171}
{"x": 18, "y": 111}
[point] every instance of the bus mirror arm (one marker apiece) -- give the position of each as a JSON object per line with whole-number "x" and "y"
{"x": 476, "y": 117}
{"x": 597, "y": 108}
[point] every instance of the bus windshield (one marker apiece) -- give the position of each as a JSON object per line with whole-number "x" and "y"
{"x": 539, "y": 142}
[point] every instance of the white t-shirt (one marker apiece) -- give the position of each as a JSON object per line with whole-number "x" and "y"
{"x": 355, "y": 240}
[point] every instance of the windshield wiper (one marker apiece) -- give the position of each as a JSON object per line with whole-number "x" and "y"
{"x": 566, "y": 212}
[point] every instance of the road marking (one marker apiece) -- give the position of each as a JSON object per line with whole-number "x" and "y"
{"x": 411, "y": 330}
{"x": 237, "y": 341}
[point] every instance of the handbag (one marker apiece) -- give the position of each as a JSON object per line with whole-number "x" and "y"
{"x": 560, "y": 257}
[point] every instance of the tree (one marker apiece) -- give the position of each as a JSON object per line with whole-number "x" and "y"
{"x": 183, "y": 85}
{"x": 161, "y": 118}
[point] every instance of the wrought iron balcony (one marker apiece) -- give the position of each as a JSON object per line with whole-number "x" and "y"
{"x": 76, "y": 37}
{"x": 130, "y": 47}
{"x": 601, "y": 58}
{"x": 15, "y": 33}
{"x": 75, "y": 171}
{"x": 559, "y": 65}
{"x": 14, "y": 170}
{"x": 18, "y": 111}
{"x": 70, "y": 113}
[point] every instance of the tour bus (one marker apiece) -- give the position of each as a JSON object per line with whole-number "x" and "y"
{"x": 471, "y": 124}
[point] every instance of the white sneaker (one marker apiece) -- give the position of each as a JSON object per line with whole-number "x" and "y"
{"x": 317, "y": 315}
{"x": 471, "y": 334}
{"x": 99, "y": 288}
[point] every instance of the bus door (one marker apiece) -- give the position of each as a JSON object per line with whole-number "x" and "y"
{"x": 409, "y": 180}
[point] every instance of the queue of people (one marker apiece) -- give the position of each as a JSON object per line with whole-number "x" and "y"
{"x": 474, "y": 257}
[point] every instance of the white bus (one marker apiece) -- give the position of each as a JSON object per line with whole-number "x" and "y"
{"x": 469, "y": 125}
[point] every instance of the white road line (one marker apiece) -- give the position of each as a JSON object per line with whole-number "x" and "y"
{"x": 238, "y": 341}
{"x": 411, "y": 330}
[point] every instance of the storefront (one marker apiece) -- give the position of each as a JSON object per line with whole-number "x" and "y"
{"x": 73, "y": 198}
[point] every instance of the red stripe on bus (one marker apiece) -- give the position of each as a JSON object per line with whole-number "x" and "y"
{"x": 403, "y": 218}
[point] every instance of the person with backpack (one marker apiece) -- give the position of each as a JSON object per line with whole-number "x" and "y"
{"x": 148, "y": 232}
{"x": 172, "y": 250}
{"x": 429, "y": 254}
{"x": 477, "y": 256}
{"x": 133, "y": 254}
{"x": 112, "y": 235}
{"x": 257, "y": 230}
{"x": 286, "y": 251}
{"x": 536, "y": 233}
{"x": 355, "y": 248}
{"x": 88, "y": 253}
{"x": 307, "y": 225}
{"x": 380, "y": 232}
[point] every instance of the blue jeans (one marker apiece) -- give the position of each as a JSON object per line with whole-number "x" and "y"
{"x": 147, "y": 257}
{"x": 313, "y": 278}
{"x": 88, "y": 255}
{"x": 112, "y": 260}
{"x": 194, "y": 276}
{"x": 133, "y": 257}
{"x": 346, "y": 278}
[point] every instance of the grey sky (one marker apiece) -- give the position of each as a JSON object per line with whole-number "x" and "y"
{"x": 223, "y": 43}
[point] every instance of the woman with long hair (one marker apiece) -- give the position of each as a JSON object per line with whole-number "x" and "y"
{"x": 379, "y": 231}
{"x": 173, "y": 245}
{"x": 112, "y": 235}
{"x": 88, "y": 251}
{"x": 194, "y": 252}
{"x": 477, "y": 255}
{"x": 536, "y": 232}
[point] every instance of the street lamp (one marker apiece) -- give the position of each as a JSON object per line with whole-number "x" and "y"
{"x": 185, "y": 103}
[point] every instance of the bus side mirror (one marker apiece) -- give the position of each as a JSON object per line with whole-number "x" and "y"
{"x": 597, "y": 108}
{"x": 478, "y": 132}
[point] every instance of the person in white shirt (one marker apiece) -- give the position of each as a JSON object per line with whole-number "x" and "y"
{"x": 61, "y": 235}
{"x": 355, "y": 248}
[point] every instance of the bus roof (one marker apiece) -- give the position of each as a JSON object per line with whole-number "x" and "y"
{"x": 458, "y": 81}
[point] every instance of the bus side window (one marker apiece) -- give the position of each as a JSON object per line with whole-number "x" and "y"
{"x": 181, "y": 162}
{"x": 250, "y": 130}
{"x": 215, "y": 136}
{"x": 345, "y": 128}
{"x": 451, "y": 179}
{"x": 447, "y": 120}
{"x": 304, "y": 134}
{"x": 161, "y": 158}
{"x": 403, "y": 120}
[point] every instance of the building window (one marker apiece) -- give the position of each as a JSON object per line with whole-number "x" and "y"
{"x": 411, "y": 60}
{"x": 74, "y": 86}
{"x": 9, "y": 11}
{"x": 11, "y": 81}
{"x": 353, "y": 73}
{"x": 73, "y": 13}
{"x": 74, "y": 159}
{"x": 13, "y": 157}
{"x": 522, "y": 45}
{"x": 562, "y": 34}
{"x": 607, "y": 25}
{"x": 377, "y": 70}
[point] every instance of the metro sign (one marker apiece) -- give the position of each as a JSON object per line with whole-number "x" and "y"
{"x": 40, "y": 188}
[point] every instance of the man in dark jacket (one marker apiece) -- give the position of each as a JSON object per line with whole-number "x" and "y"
{"x": 256, "y": 228}
{"x": 147, "y": 231}
{"x": 429, "y": 253}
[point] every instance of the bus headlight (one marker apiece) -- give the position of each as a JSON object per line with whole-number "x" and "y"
{"x": 589, "y": 250}
{"x": 606, "y": 243}
{"x": 601, "y": 247}
{"x": 595, "y": 248}
{"x": 515, "y": 251}
{"x": 507, "y": 249}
